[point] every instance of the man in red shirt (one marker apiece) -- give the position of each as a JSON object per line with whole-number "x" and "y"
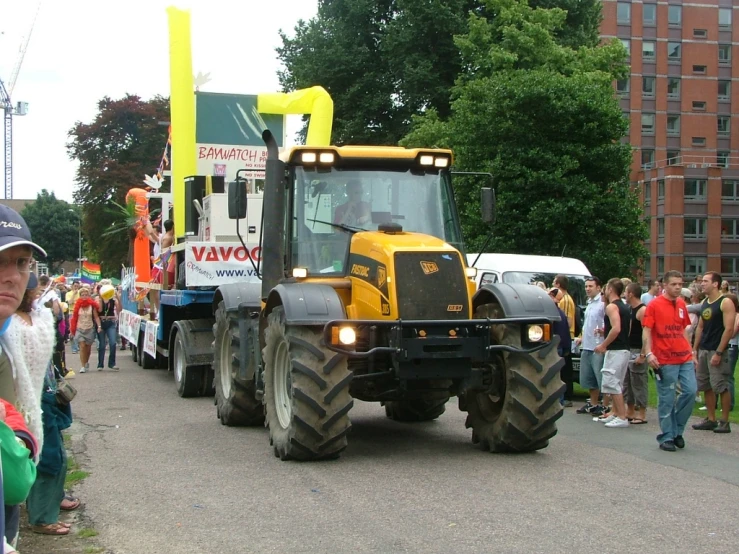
{"x": 669, "y": 354}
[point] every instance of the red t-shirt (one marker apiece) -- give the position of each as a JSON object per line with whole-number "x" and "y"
{"x": 668, "y": 319}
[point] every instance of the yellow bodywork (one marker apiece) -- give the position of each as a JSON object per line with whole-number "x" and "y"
{"x": 379, "y": 154}
{"x": 369, "y": 294}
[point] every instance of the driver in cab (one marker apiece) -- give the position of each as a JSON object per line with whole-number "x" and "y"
{"x": 354, "y": 212}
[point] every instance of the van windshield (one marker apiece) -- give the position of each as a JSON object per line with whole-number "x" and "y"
{"x": 576, "y": 286}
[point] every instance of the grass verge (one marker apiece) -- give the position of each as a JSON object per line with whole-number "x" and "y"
{"x": 86, "y": 533}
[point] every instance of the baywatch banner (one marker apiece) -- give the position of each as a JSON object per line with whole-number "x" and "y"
{"x": 210, "y": 264}
{"x": 129, "y": 325}
{"x": 228, "y": 134}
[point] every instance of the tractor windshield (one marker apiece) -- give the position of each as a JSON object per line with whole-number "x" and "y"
{"x": 328, "y": 206}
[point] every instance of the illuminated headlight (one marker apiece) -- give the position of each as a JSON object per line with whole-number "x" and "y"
{"x": 471, "y": 272}
{"x": 347, "y": 336}
{"x": 326, "y": 157}
{"x": 441, "y": 162}
{"x": 426, "y": 160}
{"x": 308, "y": 157}
{"x": 535, "y": 333}
{"x": 300, "y": 272}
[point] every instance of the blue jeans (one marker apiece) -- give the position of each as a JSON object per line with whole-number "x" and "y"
{"x": 109, "y": 332}
{"x": 733, "y": 356}
{"x": 674, "y": 414}
{"x": 75, "y": 346}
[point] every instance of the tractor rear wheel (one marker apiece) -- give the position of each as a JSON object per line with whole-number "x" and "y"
{"x": 236, "y": 401}
{"x": 306, "y": 392}
{"x": 427, "y": 408}
{"x": 518, "y": 413}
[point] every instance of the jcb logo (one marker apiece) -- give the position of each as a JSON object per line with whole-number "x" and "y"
{"x": 385, "y": 308}
{"x": 454, "y": 308}
{"x": 429, "y": 267}
{"x": 381, "y": 276}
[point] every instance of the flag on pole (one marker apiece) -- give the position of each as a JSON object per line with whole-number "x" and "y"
{"x": 90, "y": 273}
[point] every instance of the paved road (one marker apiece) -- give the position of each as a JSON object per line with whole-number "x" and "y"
{"x": 168, "y": 478}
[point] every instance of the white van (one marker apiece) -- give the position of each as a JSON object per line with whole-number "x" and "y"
{"x": 524, "y": 269}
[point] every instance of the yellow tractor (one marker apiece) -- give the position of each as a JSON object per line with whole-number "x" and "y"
{"x": 366, "y": 294}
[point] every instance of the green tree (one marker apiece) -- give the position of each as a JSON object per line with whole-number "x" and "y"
{"x": 381, "y": 60}
{"x": 54, "y": 226}
{"x": 582, "y": 23}
{"x": 542, "y": 117}
{"x": 123, "y": 143}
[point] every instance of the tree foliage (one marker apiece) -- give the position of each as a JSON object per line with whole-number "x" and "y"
{"x": 382, "y": 61}
{"x": 124, "y": 142}
{"x": 53, "y": 227}
{"x": 543, "y": 119}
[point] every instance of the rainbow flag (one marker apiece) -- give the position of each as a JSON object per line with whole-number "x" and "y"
{"x": 90, "y": 273}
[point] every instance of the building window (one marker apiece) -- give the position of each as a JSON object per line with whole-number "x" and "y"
{"x": 647, "y": 156}
{"x": 724, "y": 53}
{"x": 660, "y": 190}
{"x": 673, "y": 157}
{"x": 695, "y": 189}
{"x": 674, "y": 52}
{"x": 647, "y": 193}
{"x": 699, "y": 141}
{"x": 673, "y": 126}
{"x": 647, "y": 124}
{"x": 648, "y": 267}
{"x": 623, "y": 13}
{"x": 699, "y": 69}
{"x": 724, "y": 124}
{"x": 729, "y": 266}
{"x": 673, "y": 88}
{"x": 648, "y": 50}
{"x": 700, "y": 33}
{"x": 674, "y": 16}
{"x": 729, "y": 189}
{"x": 627, "y": 44}
{"x": 695, "y": 228}
{"x": 660, "y": 265}
{"x": 647, "y": 87}
{"x": 649, "y": 14}
{"x": 622, "y": 86}
{"x": 724, "y": 90}
{"x": 724, "y": 17}
{"x": 699, "y": 106}
{"x": 722, "y": 158}
{"x": 660, "y": 227}
{"x": 730, "y": 228}
{"x": 695, "y": 265}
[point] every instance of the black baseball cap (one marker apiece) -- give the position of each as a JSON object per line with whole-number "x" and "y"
{"x": 15, "y": 232}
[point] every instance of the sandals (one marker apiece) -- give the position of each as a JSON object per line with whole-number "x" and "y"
{"x": 51, "y": 529}
{"x": 72, "y": 503}
{"x": 637, "y": 421}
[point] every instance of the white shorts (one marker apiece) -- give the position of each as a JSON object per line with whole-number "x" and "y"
{"x": 614, "y": 369}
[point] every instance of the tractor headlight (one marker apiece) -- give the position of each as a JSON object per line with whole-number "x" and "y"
{"x": 426, "y": 159}
{"x": 308, "y": 157}
{"x": 535, "y": 333}
{"x": 347, "y": 336}
{"x": 470, "y": 272}
{"x": 326, "y": 157}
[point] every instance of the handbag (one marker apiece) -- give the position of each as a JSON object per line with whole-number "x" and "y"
{"x": 65, "y": 392}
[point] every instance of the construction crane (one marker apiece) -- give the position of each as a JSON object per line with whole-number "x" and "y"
{"x": 21, "y": 108}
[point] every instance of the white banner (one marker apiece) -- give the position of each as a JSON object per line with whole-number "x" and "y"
{"x": 150, "y": 339}
{"x": 210, "y": 264}
{"x": 129, "y": 325}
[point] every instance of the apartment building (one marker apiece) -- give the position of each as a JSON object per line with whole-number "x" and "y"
{"x": 679, "y": 99}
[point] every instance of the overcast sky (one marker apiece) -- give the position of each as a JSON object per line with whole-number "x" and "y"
{"x": 82, "y": 50}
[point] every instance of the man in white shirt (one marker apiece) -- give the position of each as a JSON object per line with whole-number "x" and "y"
{"x": 652, "y": 292}
{"x": 591, "y": 362}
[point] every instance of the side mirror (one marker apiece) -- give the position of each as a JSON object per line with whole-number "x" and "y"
{"x": 487, "y": 205}
{"x": 237, "y": 199}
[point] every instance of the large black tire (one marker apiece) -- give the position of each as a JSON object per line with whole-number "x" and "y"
{"x": 236, "y": 401}
{"x": 426, "y": 408}
{"x": 521, "y": 416}
{"x": 189, "y": 380}
{"x": 306, "y": 392}
{"x": 148, "y": 361}
{"x": 140, "y": 348}
{"x": 134, "y": 353}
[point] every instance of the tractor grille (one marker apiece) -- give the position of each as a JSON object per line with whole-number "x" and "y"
{"x": 430, "y": 285}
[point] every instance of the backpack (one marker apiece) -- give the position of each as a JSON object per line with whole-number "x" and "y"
{"x": 579, "y": 316}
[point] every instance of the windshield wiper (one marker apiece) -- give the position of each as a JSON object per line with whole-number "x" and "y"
{"x": 347, "y": 228}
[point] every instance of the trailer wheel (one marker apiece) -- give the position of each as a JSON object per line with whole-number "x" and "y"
{"x": 189, "y": 379}
{"x": 236, "y": 401}
{"x": 134, "y": 353}
{"x": 140, "y": 348}
{"x": 518, "y": 413}
{"x": 306, "y": 392}
{"x": 149, "y": 361}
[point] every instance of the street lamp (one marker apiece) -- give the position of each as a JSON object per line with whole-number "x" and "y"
{"x": 79, "y": 240}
